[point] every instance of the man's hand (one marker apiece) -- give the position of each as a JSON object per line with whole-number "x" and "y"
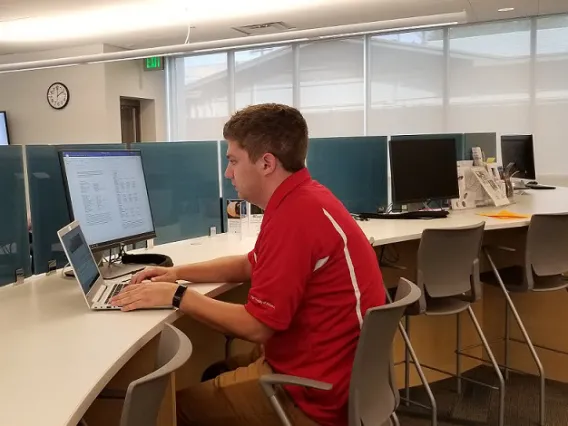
{"x": 155, "y": 273}
{"x": 139, "y": 296}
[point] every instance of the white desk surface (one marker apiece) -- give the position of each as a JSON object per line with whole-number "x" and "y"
{"x": 56, "y": 355}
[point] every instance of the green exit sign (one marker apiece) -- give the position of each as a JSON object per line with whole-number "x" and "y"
{"x": 154, "y": 63}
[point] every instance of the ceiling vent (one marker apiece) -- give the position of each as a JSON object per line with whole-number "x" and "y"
{"x": 266, "y": 28}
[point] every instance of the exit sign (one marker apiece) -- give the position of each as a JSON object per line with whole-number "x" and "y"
{"x": 154, "y": 63}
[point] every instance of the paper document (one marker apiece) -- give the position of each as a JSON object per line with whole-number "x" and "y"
{"x": 505, "y": 214}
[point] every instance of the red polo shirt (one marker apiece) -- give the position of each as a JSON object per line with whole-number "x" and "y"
{"x": 314, "y": 275}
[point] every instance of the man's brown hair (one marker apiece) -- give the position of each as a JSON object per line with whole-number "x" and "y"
{"x": 278, "y": 129}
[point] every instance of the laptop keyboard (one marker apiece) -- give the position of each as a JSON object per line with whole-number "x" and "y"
{"x": 116, "y": 289}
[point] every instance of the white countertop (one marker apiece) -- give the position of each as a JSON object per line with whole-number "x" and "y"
{"x": 56, "y": 355}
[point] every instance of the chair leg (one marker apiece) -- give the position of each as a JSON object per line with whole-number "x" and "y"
{"x": 420, "y": 371}
{"x": 507, "y": 329}
{"x": 82, "y": 422}
{"x": 458, "y": 359}
{"x": 501, "y": 421}
{"x": 280, "y": 411}
{"x": 525, "y": 336}
{"x": 395, "y": 420}
{"x": 407, "y": 363}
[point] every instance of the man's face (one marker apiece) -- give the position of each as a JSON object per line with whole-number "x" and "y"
{"x": 245, "y": 175}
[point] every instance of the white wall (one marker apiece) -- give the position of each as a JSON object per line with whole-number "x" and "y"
{"x": 128, "y": 79}
{"x": 93, "y": 112}
{"x": 33, "y": 121}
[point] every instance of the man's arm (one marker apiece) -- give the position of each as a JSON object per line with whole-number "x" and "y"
{"x": 227, "y": 318}
{"x": 230, "y": 269}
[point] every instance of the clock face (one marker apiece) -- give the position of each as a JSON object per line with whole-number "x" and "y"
{"x": 58, "y": 95}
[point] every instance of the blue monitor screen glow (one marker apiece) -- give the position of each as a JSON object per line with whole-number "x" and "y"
{"x": 4, "y": 138}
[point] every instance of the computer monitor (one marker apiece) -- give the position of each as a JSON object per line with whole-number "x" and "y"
{"x": 4, "y": 135}
{"x": 107, "y": 195}
{"x": 519, "y": 150}
{"x": 423, "y": 169}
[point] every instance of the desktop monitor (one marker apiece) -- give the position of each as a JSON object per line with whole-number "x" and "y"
{"x": 107, "y": 195}
{"x": 518, "y": 149}
{"x": 4, "y": 135}
{"x": 423, "y": 169}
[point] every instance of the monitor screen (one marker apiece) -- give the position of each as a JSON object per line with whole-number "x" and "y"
{"x": 518, "y": 149}
{"x": 80, "y": 258}
{"x": 107, "y": 194}
{"x": 4, "y": 137}
{"x": 423, "y": 169}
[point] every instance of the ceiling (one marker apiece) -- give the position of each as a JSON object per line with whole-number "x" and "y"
{"x": 32, "y": 25}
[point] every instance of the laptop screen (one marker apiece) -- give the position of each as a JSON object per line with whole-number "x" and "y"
{"x": 80, "y": 258}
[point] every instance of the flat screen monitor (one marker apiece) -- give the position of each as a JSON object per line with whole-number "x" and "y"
{"x": 4, "y": 135}
{"x": 423, "y": 169}
{"x": 107, "y": 194}
{"x": 519, "y": 150}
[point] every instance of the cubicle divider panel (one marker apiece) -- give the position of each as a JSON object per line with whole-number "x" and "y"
{"x": 48, "y": 206}
{"x": 227, "y": 187}
{"x": 486, "y": 141}
{"x": 14, "y": 237}
{"x": 353, "y": 168}
{"x": 183, "y": 186}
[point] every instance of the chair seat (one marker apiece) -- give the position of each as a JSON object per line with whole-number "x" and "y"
{"x": 446, "y": 306}
{"x": 513, "y": 278}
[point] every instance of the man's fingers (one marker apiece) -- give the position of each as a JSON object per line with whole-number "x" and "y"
{"x": 141, "y": 276}
{"x": 129, "y": 294}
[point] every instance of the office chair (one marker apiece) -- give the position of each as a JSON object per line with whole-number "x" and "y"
{"x": 373, "y": 393}
{"x": 449, "y": 279}
{"x": 545, "y": 261}
{"x": 144, "y": 396}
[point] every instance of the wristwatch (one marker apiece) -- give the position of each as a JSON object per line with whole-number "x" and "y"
{"x": 176, "y": 301}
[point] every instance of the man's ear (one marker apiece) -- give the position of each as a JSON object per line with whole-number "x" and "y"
{"x": 268, "y": 163}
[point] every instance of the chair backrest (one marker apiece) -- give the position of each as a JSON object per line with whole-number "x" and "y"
{"x": 547, "y": 245}
{"x": 144, "y": 396}
{"x": 448, "y": 261}
{"x": 373, "y": 393}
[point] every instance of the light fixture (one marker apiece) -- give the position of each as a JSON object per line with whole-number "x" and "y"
{"x": 506, "y": 9}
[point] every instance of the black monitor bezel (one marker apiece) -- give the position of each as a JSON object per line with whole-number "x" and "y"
{"x": 106, "y": 245}
{"x": 425, "y": 139}
{"x": 524, "y": 138}
{"x": 7, "y": 126}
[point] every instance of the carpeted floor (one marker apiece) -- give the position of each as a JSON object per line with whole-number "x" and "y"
{"x": 478, "y": 405}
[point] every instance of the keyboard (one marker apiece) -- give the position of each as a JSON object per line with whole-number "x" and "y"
{"x": 421, "y": 214}
{"x": 538, "y": 186}
{"x": 116, "y": 289}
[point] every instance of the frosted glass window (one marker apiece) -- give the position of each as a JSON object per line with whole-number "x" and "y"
{"x": 264, "y": 75}
{"x": 551, "y": 73}
{"x": 489, "y": 78}
{"x": 331, "y": 87}
{"x": 407, "y": 83}
{"x": 202, "y": 106}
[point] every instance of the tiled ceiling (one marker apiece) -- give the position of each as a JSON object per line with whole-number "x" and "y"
{"x": 307, "y": 14}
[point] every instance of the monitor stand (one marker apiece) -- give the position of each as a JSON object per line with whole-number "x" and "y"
{"x": 112, "y": 268}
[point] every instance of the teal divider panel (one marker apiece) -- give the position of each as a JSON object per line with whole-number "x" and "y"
{"x": 183, "y": 185}
{"x": 14, "y": 236}
{"x": 48, "y": 202}
{"x": 458, "y": 137}
{"x": 486, "y": 141}
{"x": 226, "y": 185}
{"x": 353, "y": 168}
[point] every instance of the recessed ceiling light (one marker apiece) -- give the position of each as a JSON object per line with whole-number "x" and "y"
{"x": 506, "y": 9}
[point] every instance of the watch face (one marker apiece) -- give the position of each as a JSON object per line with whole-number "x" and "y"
{"x": 58, "y": 95}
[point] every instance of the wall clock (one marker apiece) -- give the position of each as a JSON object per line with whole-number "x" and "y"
{"x": 58, "y": 95}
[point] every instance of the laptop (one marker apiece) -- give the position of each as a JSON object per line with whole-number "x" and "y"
{"x": 97, "y": 291}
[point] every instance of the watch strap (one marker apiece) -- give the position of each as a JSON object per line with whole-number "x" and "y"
{"x": 180, "y": 291}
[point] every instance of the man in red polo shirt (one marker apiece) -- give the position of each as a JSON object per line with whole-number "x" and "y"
{"x": 313, "y": 276}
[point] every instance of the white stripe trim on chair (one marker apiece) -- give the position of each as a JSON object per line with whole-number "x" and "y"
{"x": 349, "y": 266}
